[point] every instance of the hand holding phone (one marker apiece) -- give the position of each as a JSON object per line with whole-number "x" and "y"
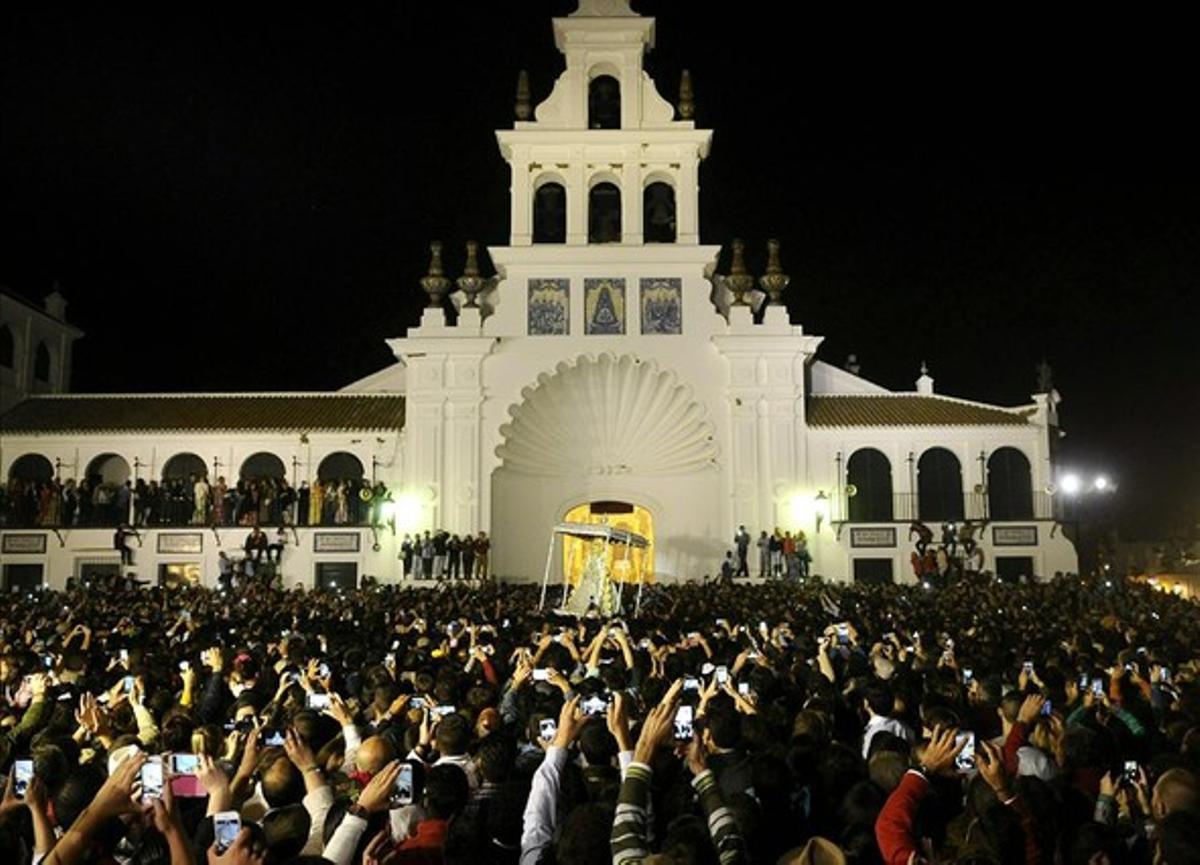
{"x": 22, "y": 775}
{"x": 227, "y": 825}
{"x": 402, "y": 789}
{"x": 152, "y": 778}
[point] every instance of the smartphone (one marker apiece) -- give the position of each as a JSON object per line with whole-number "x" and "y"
{"x": 442, "y": 711}
{"x": 128, "y": 684}
{"x": 1130, "y": 773}
{"x": 1083, "y": 680}
{"x": 22, "y": 775}
{"x": 124, "y": 656}
{"x": 965, "y": 761}
{"x": 318, "y": 702}
{"x": 968, "y": 675}
{"x": 323, "y": 670}
{"x": 744, "y": 689}
{"x": 594, "y": 705}
{"x": 541, "y": 674}
{"x": 683, "y": 723}
{"x": 271, "y": 737}
{"x": 184, "y": 666}
{"x": 227, "y": 825}
{"x": 1047, "y": 709}
{"x": 48, "y": 662}
{"x": 152, "y": 778}
{"x": 547, "y": 729}
{"x": 691, "y": 683}
{"x": 843, "y": 634}
{"x": 721, "y": 674}
{"x": 1028, "y": 667}
{"x": 416, "y": 703}
{"x": 1098, "y": 687}
{"x": 185, "y": 764}
{"x": 1166, "y": 675}
{"x": 402, "y": 790}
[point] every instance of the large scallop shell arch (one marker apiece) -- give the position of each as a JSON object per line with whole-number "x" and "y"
{"x": 607, "y": 416}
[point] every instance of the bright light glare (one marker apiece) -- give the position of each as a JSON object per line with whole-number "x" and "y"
{"x": 1071, "y": 484}
{"x": 407, "y": 509}
{"x": 1101, "y": 482}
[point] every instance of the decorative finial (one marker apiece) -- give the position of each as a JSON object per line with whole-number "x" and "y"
{"x": 687, "y": 103}
{"x": 523, "y": 107}
{"x": 740, "y": 281}
{"x": 471, "y": 283}
{"x": 435, "y": 283}
{"x": 774, "y": 282}
{"x": 924, "y": 368}
{"x": 1045, "y": 377}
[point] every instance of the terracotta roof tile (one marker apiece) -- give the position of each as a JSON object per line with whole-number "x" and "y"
{"x": 905, "y": 410}
{"x": 204, "y": 413}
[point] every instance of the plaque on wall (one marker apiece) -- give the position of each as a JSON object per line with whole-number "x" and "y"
{"x": 662, "y": 305}
{"x": 180, "y": 543}
{"x": 869, "y": 537}
{"x": 549, "y": 307}
{"x": 1014, "y": 536}
{"x": 25, "y": 544}
{"x": 604, "y": 307}
{"x": 336, "y": 542}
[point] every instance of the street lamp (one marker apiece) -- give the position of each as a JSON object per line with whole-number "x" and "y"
{"x": 1101, "y": 483}
{"x": 1071, "y": 484}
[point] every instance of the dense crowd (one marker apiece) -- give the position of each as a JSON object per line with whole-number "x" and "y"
{"x": 983, "y": 722}
{"x": 193, "y": 501}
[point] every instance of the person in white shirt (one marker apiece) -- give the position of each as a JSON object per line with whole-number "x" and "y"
{"x": 879, "y": 704}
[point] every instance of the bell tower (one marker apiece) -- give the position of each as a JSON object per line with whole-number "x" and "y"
{"x": 604, "y": 161}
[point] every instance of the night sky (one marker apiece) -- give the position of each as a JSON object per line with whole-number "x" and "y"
{"x": 242, "y": 199}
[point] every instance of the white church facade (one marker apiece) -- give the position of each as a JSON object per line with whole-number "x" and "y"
{"x": 607, "y": 372}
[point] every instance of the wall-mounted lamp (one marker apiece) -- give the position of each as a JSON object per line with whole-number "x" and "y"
{"x": 822, "y": 508}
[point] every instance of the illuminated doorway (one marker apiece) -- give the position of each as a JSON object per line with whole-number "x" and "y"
{"x": 624, "y": 563}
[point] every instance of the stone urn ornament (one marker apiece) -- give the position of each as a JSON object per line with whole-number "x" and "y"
{"x": 471, "y": 283}
{"x": 435, "y": 283}
{"x": 740, "y": 282}
{"x": 774, "y": 282}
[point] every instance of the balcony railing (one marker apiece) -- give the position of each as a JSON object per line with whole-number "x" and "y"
{"x": 909, "y": 507}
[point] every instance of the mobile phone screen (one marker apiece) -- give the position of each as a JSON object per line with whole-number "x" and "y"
{"x": 744, "y": 688}
{"x": 541, "y": 674}
{"x": 691, "y": 683}
{"x": 152, "y": 779}
{"x": 320, "y": 702}
{"x": 1131, "y": 771}
{"x": 1097, "y": 687}
{"x": 683, "y": 723}
{"x": 402, "y": 791}
{"x": 594, "y": 705}
{"x": 965, "y": 761}
{"x": 22, "y": 775}
{"x": 226, "y": 826}
{"x": 547, "y": 729}
{"x": 128, "y": 684}
{"x": 272, "y": 738}
{"x": 185, "y": 764}
{"x": 721, "y": 674}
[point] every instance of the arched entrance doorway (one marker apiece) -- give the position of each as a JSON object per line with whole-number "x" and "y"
{"x": 624, "y": 562}
{"x": 606, "y": 429}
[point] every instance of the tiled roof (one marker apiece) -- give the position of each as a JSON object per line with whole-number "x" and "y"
{"x": 204, "y": 413}
{"x": 905, "y": 410}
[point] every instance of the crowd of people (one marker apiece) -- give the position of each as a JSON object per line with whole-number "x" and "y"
{"x": 440, "y": 555}
{"x": 190, "y": 501}
{"x": 984, "y": 722}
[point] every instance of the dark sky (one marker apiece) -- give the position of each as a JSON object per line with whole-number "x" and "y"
{"x": 242, "y": 199}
